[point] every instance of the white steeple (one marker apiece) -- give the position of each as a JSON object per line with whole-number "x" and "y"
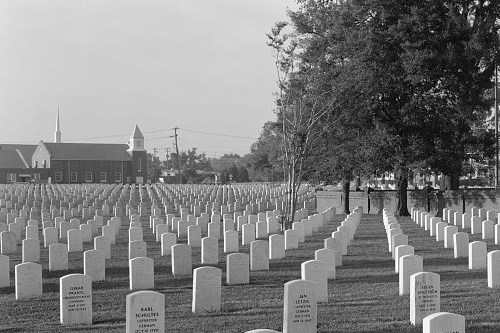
{"x": 136, "y": 142}
{"x": 57, "y": 134}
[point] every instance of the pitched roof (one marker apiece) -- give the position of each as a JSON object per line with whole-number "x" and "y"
{"x": 137, "y": 133}
{"x": 10, "y": 159}
{"x": 26, "y": 150}
{"x": 88, "y": 151}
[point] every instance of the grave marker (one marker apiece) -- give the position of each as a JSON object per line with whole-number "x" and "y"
{"x": 75, "y": 299}
{"x": 145, "y": 312}
{"x": 300, "y": 308}
{"x": 206, "y": 290}
{"x": 425, "y": 291}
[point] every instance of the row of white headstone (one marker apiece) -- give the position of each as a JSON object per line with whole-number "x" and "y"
{"x": 476, "y": 252}
{"x": 300, "y": 309}
{"x": 423, "y": 287}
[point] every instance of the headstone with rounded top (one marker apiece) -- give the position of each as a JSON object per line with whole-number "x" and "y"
{"x": 477, "y": 255}
{"x": 182, "y": 260}
{"x": 300, "y": 307}
{"x": 425, "y": 289}
{"x": 75, "y": 299}
{"x": 444, "y": 322}
{"x": 145, "y": 308}
{"x": 58, "y": 257}
{"x": 141, "y": 273}
{"x": 28, "y": 280}
{"x": 238, "y": 269}
{"x": 408, "y": 265}
{"x": 206, "y": 290}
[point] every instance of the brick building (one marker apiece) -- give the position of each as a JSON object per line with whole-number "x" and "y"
{"x": 58, "y": 162}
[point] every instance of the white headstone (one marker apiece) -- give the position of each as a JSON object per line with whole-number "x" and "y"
{"x": 4, "y": 271}
{"x": 50, "y": 236}
{"x": 449, "y": 231}
{"x": 237, "y": 268}
{"x": 194, "y": 236}
{"x": 209, "y": 251}
{"x": 31, "y": 250}
{"x": 425, "y": 289}
{"x": 259, "y": 255}
{"x": 400, "y": 251}
{"x": 477, "y": 255}
{"x": 137, "y": 249}
{"x": 336, "y": 245}
{"x": 94, "y": 265}
{"x": 58, "y": 257}
{"x": 487, "y": 230}
{"x": 408, "y": 265}
{"x": 461, "y": 245}
{"x": 444, "y": 322}
{"x": 206, "y": 290}
{"x": 181, "y": 260}
{"x": 300, "y": 307}
{"x": 231, "y": 241}
{"x": 75, "y": 299}
{"x": 248, "y": 234}
{"x": 493, "y": 264}
{"x": 28, "y": 280}
{"x": 168, "y": 239}
{"x": 276, "y": 246}
{"x": 145, "y": 312}
{"x": 327, "y": 256}
{"x": 141, "y": 273}
{"x": 75, "y": 240}
{"x": 135, "y": 234}
{"x": 8, "y": 242}
{"x": 316, "y": 271}
{"x": 103, "y": 244}
{"x": 291, "y": 239}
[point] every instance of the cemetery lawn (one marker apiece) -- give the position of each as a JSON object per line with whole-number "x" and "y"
{"x": 363, "y": 298}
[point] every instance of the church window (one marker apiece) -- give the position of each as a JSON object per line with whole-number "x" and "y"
{"x": 11, "y": 177}
{"x": 58, "y": 176}
{"x": 118, "y": 177}
{"x": 140, "y": 165}
{"x": 102, "y": 176}
{"x": 88, "y": 176}
{"x": 74, "y": 177}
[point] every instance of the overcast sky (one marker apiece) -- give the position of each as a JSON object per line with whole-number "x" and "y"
{"x": 200, "y": 65}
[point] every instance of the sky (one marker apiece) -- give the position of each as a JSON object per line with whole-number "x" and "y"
{"x": 200, "y": 65}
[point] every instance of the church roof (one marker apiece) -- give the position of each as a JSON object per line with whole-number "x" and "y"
{"x": 137, "y": 133}
{"x": 88, "y": 151}
{"x": 26, "y": 150}
{"x": 10, "y": 159}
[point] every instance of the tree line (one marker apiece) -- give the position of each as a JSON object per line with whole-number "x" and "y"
{"x": 371, "y": 86}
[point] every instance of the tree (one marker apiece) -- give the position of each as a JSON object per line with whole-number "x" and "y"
{"x": 265, "y": 158}
{"x": 154, "y": 167}
{"x": 301, "y": 103}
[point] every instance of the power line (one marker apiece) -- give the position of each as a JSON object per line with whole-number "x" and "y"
{"x": 219, "y": 134}
{"x": 164, "y": 137}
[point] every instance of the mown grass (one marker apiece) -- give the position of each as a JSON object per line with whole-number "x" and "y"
{"x": 363, "y": 298}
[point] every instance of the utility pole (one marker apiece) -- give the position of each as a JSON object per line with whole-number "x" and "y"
{"x": 154, "y": 163}
{"x": 177, "y": 152}
{"x": 496, "y": 126}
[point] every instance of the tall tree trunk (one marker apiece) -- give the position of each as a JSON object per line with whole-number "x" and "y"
{"x": 452, "y": 181}
{"x": 346, "y": 184}
{"x": 402, "y": 195}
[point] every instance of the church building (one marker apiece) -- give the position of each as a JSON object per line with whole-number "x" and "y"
{"x": 61, "y": 162}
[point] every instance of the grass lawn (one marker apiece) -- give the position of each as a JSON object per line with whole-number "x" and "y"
{"x": 363, "y": 298}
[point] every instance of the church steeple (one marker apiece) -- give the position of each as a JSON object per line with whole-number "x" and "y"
{"x": 136, "y": 142}
{"x": 57, "y": 134}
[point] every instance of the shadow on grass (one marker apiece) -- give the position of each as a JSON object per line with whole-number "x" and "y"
{"x": 376, "y": 278}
